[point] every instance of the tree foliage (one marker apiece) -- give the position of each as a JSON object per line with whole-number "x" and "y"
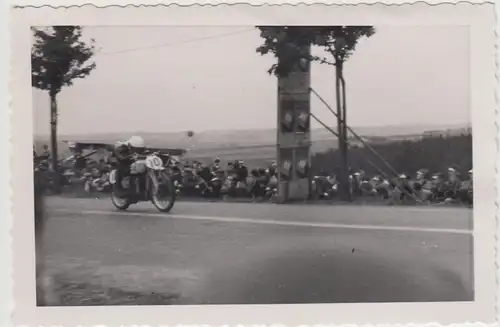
{"x": 287, "y": 44}
{"x": 58, "y": 57}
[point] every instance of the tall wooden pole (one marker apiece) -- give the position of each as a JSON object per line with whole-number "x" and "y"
{"x": 345, "y": 144}
{"x": 344, "y": 174}
{"x": 53, "y": 142}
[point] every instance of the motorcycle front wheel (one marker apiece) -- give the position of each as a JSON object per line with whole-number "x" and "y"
{"x": 164, "y": 198}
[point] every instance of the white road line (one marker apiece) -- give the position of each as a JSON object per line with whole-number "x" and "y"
{"x": 272, "y": 222}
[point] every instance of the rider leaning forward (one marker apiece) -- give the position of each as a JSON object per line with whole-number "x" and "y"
{"x": 123, "y": 157}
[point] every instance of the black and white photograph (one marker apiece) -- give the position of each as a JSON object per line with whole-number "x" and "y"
{"x": 255, "y": 164}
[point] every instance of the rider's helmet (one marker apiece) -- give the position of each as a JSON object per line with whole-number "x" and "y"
{"x": 217, "y": 161}
{"x": 136, "y": 142}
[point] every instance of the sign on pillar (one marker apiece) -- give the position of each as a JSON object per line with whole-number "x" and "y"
{"x": 294, "y": 137}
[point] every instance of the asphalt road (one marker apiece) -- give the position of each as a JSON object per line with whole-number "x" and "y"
{"x": 237, "y": 253}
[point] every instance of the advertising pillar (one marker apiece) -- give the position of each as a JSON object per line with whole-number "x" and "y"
{"x": 294, "y": 137}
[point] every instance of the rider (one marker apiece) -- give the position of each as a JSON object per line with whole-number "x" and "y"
{"x": 123, "y": 152}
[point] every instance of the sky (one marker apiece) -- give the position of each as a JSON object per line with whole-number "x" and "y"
{"x": 168, "y": 79}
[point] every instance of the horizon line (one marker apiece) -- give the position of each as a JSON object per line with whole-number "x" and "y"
{"x": 442, "y": 126}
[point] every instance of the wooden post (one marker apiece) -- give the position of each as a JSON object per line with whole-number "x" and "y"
{"x": 53, "y": 143}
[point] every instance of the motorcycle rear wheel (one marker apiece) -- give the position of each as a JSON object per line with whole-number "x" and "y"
{"x": 164, "y": 205}
{"x": 120, "y": 203}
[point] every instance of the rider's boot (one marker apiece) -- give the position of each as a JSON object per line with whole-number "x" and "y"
{"x": 120, "y": 191}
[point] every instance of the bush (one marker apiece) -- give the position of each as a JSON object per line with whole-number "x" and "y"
{"x": 433, "y": 153}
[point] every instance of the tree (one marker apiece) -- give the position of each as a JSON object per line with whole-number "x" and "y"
{"x": 58, "y": 57}
{"x": 340, "y": 42}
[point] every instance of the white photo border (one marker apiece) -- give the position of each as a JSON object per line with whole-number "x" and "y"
{"x": 479, "y": 18}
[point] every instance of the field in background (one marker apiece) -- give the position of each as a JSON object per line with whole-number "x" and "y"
{"x": 255, "y": 147}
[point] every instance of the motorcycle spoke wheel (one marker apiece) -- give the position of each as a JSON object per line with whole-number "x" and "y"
{"x": 121, "y": 203}
{"x": 164, "y": 197}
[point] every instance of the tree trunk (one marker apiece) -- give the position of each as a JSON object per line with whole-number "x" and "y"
{"x": 343, "y": 178}
{"x": 345, "y": 144}
{"x": 53, "y": 143}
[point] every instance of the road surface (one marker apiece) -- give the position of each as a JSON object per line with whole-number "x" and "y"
{"x": 244, "y": 253}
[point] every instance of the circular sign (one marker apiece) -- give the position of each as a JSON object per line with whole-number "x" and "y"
{"x": 302, "y": 168}
{"x": 303, "y": 116}
{"x": 303, "y": 120}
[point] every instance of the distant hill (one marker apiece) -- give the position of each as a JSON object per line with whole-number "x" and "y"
{"x": 251, "y": 144}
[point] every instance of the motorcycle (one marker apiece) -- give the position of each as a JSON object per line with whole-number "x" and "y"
{"x": 148, "y": 181}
